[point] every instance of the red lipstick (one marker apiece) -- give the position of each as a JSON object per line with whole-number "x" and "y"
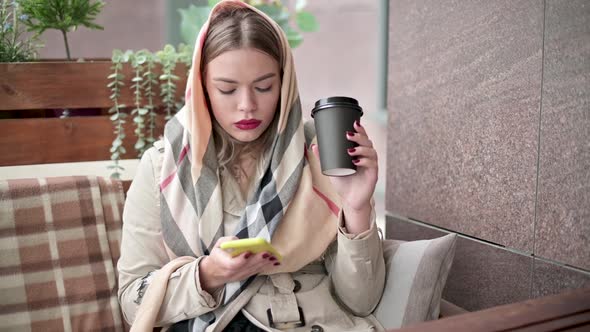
{"x": 248, "y": 124}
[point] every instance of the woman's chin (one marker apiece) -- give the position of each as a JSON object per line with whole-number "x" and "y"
{"x": 245, "y": 137}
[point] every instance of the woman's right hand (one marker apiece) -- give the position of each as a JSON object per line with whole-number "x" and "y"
{"x": 219, "y": 267}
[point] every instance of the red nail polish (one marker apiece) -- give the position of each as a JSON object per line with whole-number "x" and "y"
{"x": 272, "y": 259}
{"x": 247, "y": 255}
{"x": 356, "y": 161}
{"x": 277, "y": 264}
{"x": 265, "y": 255}
{"x": 350, "y": 133}
{"x": 351, "y": 150}
{"x": 358, "y": 123}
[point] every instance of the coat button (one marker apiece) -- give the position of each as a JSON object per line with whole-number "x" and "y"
{"x": 316, "y": 328}
{"x": 297, "y": 286}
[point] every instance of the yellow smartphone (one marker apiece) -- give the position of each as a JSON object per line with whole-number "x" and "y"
{"x": 254, "y": 245}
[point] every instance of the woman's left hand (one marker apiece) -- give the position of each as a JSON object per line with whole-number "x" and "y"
{"x": 357, "y": 189}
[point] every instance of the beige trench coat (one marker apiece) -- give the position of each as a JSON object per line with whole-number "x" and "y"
{"x": 337, "y": 293}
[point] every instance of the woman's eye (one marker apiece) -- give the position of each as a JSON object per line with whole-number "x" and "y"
{"x": 264, "y": 89}
{"x": 227, "y": 92}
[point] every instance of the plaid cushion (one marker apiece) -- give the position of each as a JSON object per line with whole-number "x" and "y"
{"x": 59, "y": 243}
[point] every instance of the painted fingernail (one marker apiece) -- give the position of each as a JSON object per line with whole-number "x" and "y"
{"x": 277, "y": 264}
{"x": 265, "y": 255}
{"x": 272, "y": 259}
{"x": 351, "y": 150}
{"x": 350, "y": 133}
{"x": 358, "y": 123}
{"x": 356, "y": 161}
{"x": 312, "y": 146}
{"x": 246, "y": 256}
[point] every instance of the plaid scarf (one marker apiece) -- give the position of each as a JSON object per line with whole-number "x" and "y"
{"x": 284, "y": 209}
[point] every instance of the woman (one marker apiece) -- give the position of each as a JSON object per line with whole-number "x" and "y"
{"x": 237, "y": 162}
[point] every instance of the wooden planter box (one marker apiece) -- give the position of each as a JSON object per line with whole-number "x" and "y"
{"x": 57, "y": 85}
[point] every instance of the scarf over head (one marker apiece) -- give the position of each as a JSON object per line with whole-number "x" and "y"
{"x": 294, "y": 206}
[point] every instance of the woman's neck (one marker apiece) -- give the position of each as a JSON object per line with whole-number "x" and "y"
{"x": 244, "y": 171}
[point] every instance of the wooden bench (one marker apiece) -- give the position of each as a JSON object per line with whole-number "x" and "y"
{"x": 568, "y": 311}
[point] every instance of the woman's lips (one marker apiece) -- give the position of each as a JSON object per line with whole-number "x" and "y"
{"x": 248, "y": 124}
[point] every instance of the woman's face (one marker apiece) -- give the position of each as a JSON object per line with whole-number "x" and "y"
{"x": 244, "y": 87}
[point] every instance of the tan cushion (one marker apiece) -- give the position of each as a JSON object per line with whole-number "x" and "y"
{"x": 60, "y": 240}
{"x": 416, "y": 275}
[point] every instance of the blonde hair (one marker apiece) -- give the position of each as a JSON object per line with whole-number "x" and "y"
{"x": 232, "y": 29}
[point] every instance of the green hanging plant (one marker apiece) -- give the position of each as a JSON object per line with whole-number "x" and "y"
{"x": 137, "y": 63}
{"x": 168, "y": 58}
{"x": 118, "y": 116}
{"x": 150, "y": 80}
{"x": 144, "y": 83}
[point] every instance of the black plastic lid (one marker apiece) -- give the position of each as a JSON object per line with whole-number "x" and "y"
{"x": 336, "y": 101}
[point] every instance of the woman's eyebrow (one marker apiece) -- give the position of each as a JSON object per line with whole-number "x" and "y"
{"x": 261, "y": 78}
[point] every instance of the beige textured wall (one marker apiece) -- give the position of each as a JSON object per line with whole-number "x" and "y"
{"x": 489, "y": 107}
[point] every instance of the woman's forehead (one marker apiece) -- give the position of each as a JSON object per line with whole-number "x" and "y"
{"x": 244, "y": 63}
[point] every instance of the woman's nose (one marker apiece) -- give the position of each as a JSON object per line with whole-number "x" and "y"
{"x": 247, "y": 101}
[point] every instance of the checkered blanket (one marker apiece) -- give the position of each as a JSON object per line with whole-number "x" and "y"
{"x": 59, "y": 243}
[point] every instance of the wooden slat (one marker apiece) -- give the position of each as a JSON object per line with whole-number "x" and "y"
{"x": 41, "y": 141}
{"x": 49, "y": 85}
{"x": 559, "y": 324}
{"x": 581, "y": 328}
{"x": 566, "y": 310}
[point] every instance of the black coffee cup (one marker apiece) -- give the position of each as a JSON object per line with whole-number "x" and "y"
{"x": 333, "y": 117}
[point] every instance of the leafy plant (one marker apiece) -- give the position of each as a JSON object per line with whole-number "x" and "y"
{"x": 62, "y": 15}
{"x": 118, "y": 117}
{"x": 149, "y": 85}
{"x": 15, "y": 45}
{"x": 137, "y": 62}
{"x": 144, "y": 83}
{"x": 168, "y": 58}
{"x": 193, "y": 18}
